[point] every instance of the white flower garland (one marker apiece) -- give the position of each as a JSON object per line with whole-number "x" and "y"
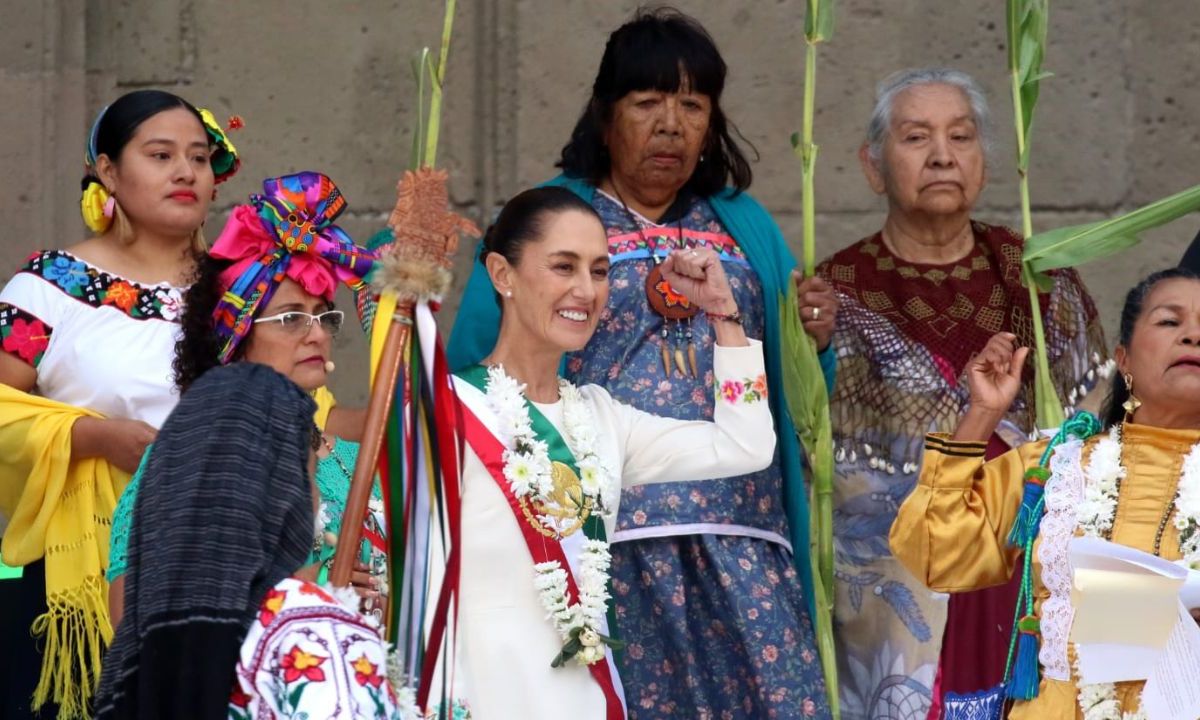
{"x": 528, "y": 469}
{"x": 1104, "y": 474}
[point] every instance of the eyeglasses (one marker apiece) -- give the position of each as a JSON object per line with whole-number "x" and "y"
{"x": 299, "y": 323}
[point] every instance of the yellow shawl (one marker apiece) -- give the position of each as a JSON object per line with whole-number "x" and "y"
{"x": 60, "y": 510}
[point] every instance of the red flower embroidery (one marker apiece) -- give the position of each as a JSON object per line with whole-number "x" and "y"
{"x": 297, "y": 664}
{"x": 270, "y": 606}
{"x": 28, "y": 340}
{"x": 308, "y": 588}
{"x": 121, "y": 294}
{"x": 760, "y": 385}
{"x": 731, "y": 390}
{"x": 366, "y": 672}
{"x": 239, "y": 698}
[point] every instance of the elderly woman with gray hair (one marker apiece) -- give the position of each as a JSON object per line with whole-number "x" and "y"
{"x": 918, "y": 299}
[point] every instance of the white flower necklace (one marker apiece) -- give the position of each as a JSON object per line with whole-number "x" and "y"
{"x": 530, "y": 475}
{"x": 1104, "y": 474}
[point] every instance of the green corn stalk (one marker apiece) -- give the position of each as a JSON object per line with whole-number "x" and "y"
{"x": 803, "y": 381}
{"x": 1078, "y": 244}
{"x": 425, "y": 139}
{"x": 1027, "y": 25}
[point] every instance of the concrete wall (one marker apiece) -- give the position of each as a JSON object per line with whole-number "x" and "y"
{"x": 328, "y": 85}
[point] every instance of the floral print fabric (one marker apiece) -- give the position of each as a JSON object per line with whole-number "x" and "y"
{"x": 97, "y": 288}
{"x": 22, "y": 334}
{"x": 308, "y": 656}
{"x": 716, "y": 624}
{"x": 26, "y": 336}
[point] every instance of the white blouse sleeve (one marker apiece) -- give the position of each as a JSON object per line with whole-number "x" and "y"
{"x": 739, "y": 440}
{"x": 30, "y": 308}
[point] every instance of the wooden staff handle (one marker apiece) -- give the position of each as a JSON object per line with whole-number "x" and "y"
{"x": 378, "y": 407}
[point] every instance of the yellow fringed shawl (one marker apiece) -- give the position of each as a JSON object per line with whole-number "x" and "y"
{"x": 62, "y": 511}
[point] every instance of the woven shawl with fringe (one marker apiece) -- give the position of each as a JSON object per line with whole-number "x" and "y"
{"x": 62, "y": 511}
{"x": 224, "y": 513}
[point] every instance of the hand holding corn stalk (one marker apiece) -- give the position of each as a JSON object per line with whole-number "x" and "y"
{"x": 1073, "y": 245}
{"x": 803, "y": 382}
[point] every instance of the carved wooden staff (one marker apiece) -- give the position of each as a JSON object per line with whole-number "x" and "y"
{"x": 415, "y": 268}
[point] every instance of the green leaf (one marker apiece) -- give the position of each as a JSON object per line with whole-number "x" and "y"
{"x": 795, "y": 139}
{"x": 807, "y": 401}
{"x": 294, "y": 695}
{"x": 818, "y": 20}
{"x": 1078, "y": 244}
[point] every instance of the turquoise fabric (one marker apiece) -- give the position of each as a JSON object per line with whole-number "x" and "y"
{"x": 478, "y": 322}
{"x": 333, "y": 483}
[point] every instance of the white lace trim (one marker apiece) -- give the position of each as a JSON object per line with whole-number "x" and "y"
{"x": 1064, "y": 491}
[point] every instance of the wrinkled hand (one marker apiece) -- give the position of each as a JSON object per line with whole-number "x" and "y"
{"x": 818, "y": 307}
{"x": 698, "y": 274}
{"x": 994, "y": 373}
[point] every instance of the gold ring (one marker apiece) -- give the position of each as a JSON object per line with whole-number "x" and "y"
{"x": 816, "y": 312}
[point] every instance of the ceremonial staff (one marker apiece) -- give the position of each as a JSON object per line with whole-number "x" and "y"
{"x": 411, "y": 434}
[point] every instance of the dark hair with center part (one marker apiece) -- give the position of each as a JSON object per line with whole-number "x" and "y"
{"x": 127, "y": 113}
{"x": 665, "y": 50}
{"x": 1135, "y": 301}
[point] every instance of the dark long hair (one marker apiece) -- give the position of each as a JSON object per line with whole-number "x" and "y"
{"x": 1114, "y": 412}
{"x": 659, "y": 49}
{"x": 198, "y": 347}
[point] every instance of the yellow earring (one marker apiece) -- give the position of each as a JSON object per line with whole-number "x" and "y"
{"x": 1132, "y": 404}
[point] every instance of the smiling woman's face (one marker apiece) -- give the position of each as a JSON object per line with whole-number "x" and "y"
{"x": 933, "y": 160}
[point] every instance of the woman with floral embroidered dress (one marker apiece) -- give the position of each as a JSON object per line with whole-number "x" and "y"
{"x": 290, "y": 327}
{"x": 87, "y": 335}
{"x": 969, "y": 522}
{"x": 547, "y": 461}
{"x": 218, "y": 625}
{"x": 693, "y": 564}
{"x": 918, "y": 299}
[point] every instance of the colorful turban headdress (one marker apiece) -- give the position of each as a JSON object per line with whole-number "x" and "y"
{"x": 286, "y": 232}
{"x": 96, "y": 205}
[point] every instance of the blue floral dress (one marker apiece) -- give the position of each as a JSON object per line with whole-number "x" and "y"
{"x": 707, "y": 598}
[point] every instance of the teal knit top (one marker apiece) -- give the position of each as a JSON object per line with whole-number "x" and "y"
{"x": 333, "y": 483}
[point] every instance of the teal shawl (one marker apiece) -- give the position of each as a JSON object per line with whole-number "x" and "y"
{"x": 478, "y": 322}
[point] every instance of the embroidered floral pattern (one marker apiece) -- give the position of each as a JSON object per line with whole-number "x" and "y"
{"x": 315, "y": 656}
{"x": 746, "y": 390}
{"x": 99, "y": 289}
{"x": 366, "y": 673}
{"x": 22, "y": 334}
{"x": 271, "y": 605}
{"x": 299, "y": 664}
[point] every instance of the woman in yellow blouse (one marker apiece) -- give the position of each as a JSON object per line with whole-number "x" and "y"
{"x": 1123, "y": 485}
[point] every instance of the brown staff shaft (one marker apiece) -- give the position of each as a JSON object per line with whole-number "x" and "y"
{"x": 391, "y": 366}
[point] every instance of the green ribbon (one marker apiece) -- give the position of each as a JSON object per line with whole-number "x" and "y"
{"x": 559, "y": 451}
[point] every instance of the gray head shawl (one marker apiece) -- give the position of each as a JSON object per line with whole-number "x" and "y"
{"x": 224, "y": 513}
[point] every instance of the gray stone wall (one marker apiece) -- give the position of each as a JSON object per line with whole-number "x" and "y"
{"x": 329, "y": 86}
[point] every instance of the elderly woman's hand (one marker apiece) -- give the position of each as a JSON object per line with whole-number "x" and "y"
{"x": 698, "y": 274}
{"x": 994, "y": 374}
{"x": 818, "y": 307}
